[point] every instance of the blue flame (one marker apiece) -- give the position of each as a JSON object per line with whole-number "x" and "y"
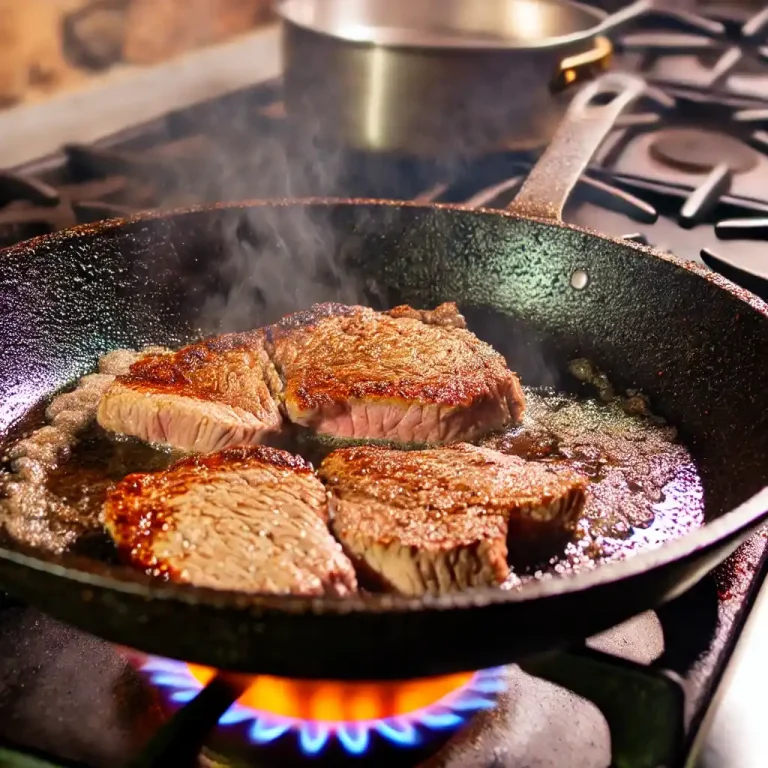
{"x": 262, "y": 731}
{"x": 354, "y": 737}
{"x": 404, "y": 730}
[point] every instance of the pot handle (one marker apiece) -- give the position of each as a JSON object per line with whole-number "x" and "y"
{"x": 580, "y": 133}
{"x": 582, "y": 66}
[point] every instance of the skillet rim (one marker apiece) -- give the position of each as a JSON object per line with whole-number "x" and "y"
{"x": 729, "y": 525}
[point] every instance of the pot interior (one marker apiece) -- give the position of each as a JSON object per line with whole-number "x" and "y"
{"x": 490, "y": 24}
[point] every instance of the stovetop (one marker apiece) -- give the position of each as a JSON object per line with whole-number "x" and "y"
{"x": 683, "y": 171}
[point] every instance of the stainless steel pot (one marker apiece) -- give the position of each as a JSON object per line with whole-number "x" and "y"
{"x": 428, "y": 77}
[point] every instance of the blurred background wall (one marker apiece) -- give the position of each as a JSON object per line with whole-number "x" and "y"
{"x": 51, "y": 45}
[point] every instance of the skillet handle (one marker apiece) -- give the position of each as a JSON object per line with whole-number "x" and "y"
{"x": 582, "y": 130}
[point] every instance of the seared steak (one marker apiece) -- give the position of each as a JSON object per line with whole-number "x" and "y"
{"x": 404, "y": 376}
{"x": 204, "y": 397}
{"x": 252, "y": 519}
{"x": 440, "y": 520}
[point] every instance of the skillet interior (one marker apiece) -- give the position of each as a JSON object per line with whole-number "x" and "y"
{"x": 700, "y": 352}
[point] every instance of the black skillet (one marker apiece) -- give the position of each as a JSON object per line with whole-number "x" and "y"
{"x": 540, "y": 290}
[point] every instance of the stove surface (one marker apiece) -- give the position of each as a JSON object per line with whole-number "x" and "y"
{"x": 683, "y": 171}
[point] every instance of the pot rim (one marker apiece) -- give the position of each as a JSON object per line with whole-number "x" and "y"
{"x": 370, "y": 39}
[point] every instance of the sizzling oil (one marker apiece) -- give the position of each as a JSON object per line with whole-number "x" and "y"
{"x": 60, "y": 510}
{"x": 645, "y": 488}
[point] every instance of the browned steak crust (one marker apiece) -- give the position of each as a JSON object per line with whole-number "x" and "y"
{"x": 439, "y": 520}
{"x": 406, "y": 376}
{"x": 252, "y": 519}
{"x": 206, "y": 396}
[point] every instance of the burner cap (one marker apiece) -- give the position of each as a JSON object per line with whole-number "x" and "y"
{"x": 699, "y": 151}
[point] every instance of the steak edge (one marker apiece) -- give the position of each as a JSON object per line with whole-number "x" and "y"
{"x": 405, "y": 376}
{"x": 204, "y": 397}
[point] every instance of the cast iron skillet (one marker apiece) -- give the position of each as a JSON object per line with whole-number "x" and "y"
{"x": 697, "y": 345}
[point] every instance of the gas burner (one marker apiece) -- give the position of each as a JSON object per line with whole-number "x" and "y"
{"x": 326, "y": 720}
{"x": 700, "y": 151}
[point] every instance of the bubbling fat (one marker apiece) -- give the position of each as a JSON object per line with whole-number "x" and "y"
{"x": 645, "y": 488}
{"x": 49, "y": 499}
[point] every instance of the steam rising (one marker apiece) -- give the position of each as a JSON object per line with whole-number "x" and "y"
{"x": 277, "y": 274}
{"x": 265, "y": 271}
{"x": 272, "y": 262}
{"x": 254, "y": 154}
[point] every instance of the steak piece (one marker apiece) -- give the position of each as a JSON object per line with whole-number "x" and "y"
{"x": 440, "y": 520}
{"x": 205, "y": 397}
{"x": 403, "y": 376}
{"x": 252, "y": 519}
